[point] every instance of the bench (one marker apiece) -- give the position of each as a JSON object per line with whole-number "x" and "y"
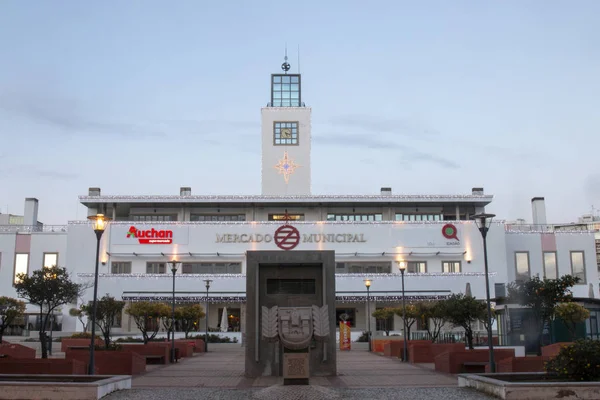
{"x": 474, "y": 367}
{"x": 150, "y": 359}
{"x": 78, "y": 347}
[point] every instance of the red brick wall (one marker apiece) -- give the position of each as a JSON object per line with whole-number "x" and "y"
{"x": 440, "y": 348}
{"x": 150, "y": 349}
{"x": 14, "y": 350}
{"x": 76, "y": 342}
{"x": 552, "y": 350}
{"x": 521, "y": 364}
{"x": 51, "y": 366}
{"x": 111, "y": 362}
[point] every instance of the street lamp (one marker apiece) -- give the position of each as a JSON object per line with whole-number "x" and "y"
{"x": 402, "y": 266}
{"x": 100, "y": 222}
{"x": 174, "y": 271}
{"x": 368, "y": 285}
{"x": 484, "y": 221}
{"x": 207, "y": 282}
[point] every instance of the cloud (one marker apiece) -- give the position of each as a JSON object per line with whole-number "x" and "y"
{"x": 66, "y": 114}
{"x": 31, "y": 171}
{"x": 403, "y": 126}
{"x": 407, "y": 154}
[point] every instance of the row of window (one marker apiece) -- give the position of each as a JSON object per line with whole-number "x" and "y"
{"x": 414, "y": 267}
{"x": 298, "y": 217}
{"x": 124, "y": 267}
{"x": 22, "y": 263}
{"x": 550, "y": 265}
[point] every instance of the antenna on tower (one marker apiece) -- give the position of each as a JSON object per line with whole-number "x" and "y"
{"x": 286, "y": 65}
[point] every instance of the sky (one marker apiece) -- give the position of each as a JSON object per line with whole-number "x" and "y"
{"x": 427, "y": 97}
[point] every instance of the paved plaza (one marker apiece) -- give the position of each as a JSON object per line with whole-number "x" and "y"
{"x": 219, "y": 374}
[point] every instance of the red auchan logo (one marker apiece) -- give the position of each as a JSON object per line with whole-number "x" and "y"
{"x": 151, "y": 236}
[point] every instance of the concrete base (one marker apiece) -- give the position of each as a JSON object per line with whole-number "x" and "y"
{"x": 61, "y": 387}
{"x": 534, "y": 389}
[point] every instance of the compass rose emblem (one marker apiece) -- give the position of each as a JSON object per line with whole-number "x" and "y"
{"x": 286, "y": 166}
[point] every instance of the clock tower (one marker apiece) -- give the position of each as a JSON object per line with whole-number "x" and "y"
{"x": 286, "y": 137}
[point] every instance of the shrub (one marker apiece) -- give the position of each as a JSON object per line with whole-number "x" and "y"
{"x": 579, "y": 361}
{"x": 216, "y": 338}
{"x": 364, "y": 337}
{"x": 83, "y": 335}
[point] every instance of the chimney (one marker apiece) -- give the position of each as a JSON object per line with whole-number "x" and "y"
{"x": 477, "y": 191}
{"x": 538, "y": 209}
{"x": 386, "y": 191}
{"x": 94, "y": 191}
{"x": 30, "y": 216}
{"x": 185, "y": 191}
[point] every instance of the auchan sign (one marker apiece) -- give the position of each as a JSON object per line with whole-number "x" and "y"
{"x": 151, "y": 236}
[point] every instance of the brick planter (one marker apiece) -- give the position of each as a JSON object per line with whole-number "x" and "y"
{"x": 159, "y": 349}
{"x": 77, "y": 342}
{"x": 39, "y": 366}
{"x": 520, "y": 364}
{"x": 109, "y": 362}
{"x": 14, "y": 350}
{"x": 197, "y": 343}
{"x": 453, "y": 362}
{"x": 441, "y": 348}
{"x": 552, "y": 350}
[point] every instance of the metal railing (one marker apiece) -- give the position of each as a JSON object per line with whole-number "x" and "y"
{"x": 33, "y": 228}
{"x": 537, "y": 228}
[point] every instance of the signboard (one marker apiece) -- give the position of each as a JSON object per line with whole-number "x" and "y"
{"x": 148, "y": 234}
{"x": 345, "y": 335}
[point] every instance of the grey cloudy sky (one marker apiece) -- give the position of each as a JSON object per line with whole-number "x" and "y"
{"x": 431, "y": 97}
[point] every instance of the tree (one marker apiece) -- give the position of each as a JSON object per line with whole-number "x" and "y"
{"x": 433, "y": 315}
{"x": 189, "y": 316}
{"x": 10, "y": 309}
{"x": 385, "y": 315}
{"x": 146, "y": 316}
{"x": 47, "y": 288}
{"x": 572, "y": 314}
{"x": 166, "y": 315}
{"x": 462, "y": 311}
{"x": 542, "y": 296}
{"x": 412, "y": 314}
{"x": 82, "y": 312}
{"x": 107, "y": 311}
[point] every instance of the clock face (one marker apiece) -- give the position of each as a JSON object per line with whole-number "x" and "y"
{"x": 286, "y": 133}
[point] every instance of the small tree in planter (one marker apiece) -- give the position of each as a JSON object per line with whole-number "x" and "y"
{"x": 542, "y": 296}
{"x": 189, "y": 315}
{"x": 107, "y": 311}
{"x": 433, "y": 315}
{"x": 48, "y": 288}
{"x": 166, "y": 312}
{"x": 385, "y": 315}
{"x": 412, "y": 314}
{"x": 82, "y": 314}
{"x": 10, "y": 309}
{"x": 146, "y": 316}
{"x": 572, "y": 314}
{"x": 579, "y": 361}
{"x": 462, "y": 311}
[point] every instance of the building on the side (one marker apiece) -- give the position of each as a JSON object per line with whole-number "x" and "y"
{"x": 371, "y": 235}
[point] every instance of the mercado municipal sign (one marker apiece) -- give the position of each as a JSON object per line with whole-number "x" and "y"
{"x": 304, "y": 238}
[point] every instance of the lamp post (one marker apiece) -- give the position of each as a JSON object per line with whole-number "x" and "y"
{"x": 207, "y": 282}
{"x": 174, "y": 271}
{"x": 402, "y": 266}
{"x": 368, "y": 285}
{"x": 100, "y": 222}
{"x": 484, "y": 221}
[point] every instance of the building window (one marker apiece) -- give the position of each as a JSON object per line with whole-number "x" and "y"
{"x": 550, "y": 267}
{"x": 598, "y": 254}
{"x": 21, "y": 265}
{"x": 578, "y": 266}
{"x": 363, "y": 268}
{"x": 283, "y": 217}
{"x": 416, "y": 267}
{"x": 285, "y": 133}
{"x": 354, "y": 217}
{"x": 522, "y": 265}
{"x": 50, "y": 260}
{"x": 217, "y": 217}
{"x": 285, "y": 90}
{"x": 155, "y": 268}
{"x": 120, "y": 267}
{"x": 153, "y": 218}
{"x": 291, "y": 286}
{"x": 451, "y": 267}
{"x": 419, "y": 217}
{"x": 211, "y": 268}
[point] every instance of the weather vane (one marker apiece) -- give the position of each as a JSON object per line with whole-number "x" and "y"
{"x": 286, "y": 65}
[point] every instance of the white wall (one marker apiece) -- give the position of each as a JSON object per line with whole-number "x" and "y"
{"x": 7, "y": 264}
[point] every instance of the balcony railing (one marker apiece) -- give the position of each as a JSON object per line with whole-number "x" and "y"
{"x": 33, "y": 228}
{"x": 537, "y": 228}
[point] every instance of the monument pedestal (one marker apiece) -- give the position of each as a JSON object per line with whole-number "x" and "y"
{"x": 296, "y": 367}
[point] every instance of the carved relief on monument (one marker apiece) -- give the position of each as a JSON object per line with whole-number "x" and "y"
{"x": 295, "y": 326}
